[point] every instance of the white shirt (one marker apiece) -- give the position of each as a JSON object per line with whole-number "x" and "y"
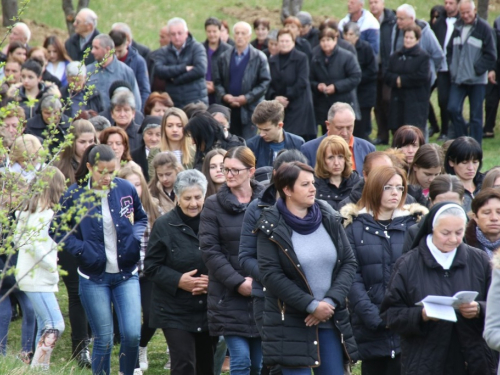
{"x": 450, "y": 26}
{"x": 444, "y": 259}
{"x": 110, "y": 238}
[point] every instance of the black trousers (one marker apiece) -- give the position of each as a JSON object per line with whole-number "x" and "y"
{"x": 382, "y": 108}
{"x": 443, "y": 87}
{"x": 381, "y": 366}
{"x": 77, "y": 316}
{"x": 190, "y": 353}
{"x": 363, "y": 127}
{"x": 147, "y": 332}
{"x": 491, "y": 107}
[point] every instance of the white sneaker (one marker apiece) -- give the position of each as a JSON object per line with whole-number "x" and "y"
{"x": 167, "y": 365}
{"x": 137, "y": 371}
{"x": 143, "y": 358}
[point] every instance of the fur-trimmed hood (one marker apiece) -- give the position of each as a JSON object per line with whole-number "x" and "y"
{"x": 351, "y": 210}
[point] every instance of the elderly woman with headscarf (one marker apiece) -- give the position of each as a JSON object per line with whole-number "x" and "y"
{"x": 440, "y": 264}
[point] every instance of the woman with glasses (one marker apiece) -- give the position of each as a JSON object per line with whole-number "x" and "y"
{"x": 230, "y": 311}
{"x": 376, "y": 228}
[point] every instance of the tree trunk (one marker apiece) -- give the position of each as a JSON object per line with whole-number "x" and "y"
{"x": 70, "y": 14}
{"x": 482, "y": 9}
{"x": 9, "y": 12}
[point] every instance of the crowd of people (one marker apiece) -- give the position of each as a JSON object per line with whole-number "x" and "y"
{"x": 186, "y": 189}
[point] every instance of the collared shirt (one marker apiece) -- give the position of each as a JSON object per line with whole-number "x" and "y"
{"x": 351, "y": 148}
{"x": 85, "y": 40}
{"x": 238, "y": 58}
{"x": 178, "y": 51}
{"x": 450, "y": 26}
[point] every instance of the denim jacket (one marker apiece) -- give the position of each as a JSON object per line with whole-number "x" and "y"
{"x": 86, "y": 240}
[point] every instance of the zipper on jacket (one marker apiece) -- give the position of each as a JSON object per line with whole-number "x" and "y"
{"x": 282, "y": 309}
{"x": 345, "y": 348}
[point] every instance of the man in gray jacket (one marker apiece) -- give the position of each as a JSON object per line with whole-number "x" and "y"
{"x": 241, "y": 79}
{"x": 471, "y": 53}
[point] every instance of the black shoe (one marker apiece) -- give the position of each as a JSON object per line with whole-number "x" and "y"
{"x": 442, "y": 138}
{"x": 433, "y": 131}
{"x": 378, "y": 141}
{"x": 489, "y": 135}
{"x": 81, "y": 353}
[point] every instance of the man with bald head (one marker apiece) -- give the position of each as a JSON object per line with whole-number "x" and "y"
{"x": 340, "y": 122}
{"x": 183, "y": 65}
{"x": 241, "y": 78}
{"x": 85, "y": 31}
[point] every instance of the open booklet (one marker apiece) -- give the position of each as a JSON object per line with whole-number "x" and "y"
{"x": 442, "y": 307}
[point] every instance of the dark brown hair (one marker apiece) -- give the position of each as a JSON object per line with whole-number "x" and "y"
{"x": 262, "y": 21}
{"x": 285, "y": 31}
{"x": 415, "y": 28}
{"x": 287, "y": 174}
{"x": 490, "y": 178}
{"x": 446, "y": 183}
{"x": 483, "y": 197}
{"x": 328, "y": 33}
{"x": 407, "y": 135}
{"x": 370, "y": 158}
{"x": 243, "y": 154}
{"x": 428, "y": 156}
{"x": 205, "y": 169}
{"x": 53, "y": 40}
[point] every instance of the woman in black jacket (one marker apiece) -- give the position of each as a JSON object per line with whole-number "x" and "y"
{"x": 307, "y": 268}
{"x": 408, "y": 74}
{"x": 376, "y": 227}
{"x": 440, "y": 265}
{"x": 229, "y": 304}
{"x": 151, "y": 137}
{"x": 334, "y": 76}
{"x": 173, "y": 263}
{"x": 335, "y": 177}
{"x": 290, "y": 86}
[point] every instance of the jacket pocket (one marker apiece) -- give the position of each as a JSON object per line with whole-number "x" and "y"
{"x": 89, "y": 259}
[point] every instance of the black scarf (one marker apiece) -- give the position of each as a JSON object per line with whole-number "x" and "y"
{"x": 308, "y": 224}
{"x": 191, "y": 222}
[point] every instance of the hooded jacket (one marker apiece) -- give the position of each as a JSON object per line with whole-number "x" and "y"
{"x": 376, "y": 250}
{"x": 333, "y": 195}
{"x": 287, "y": 340}
{"x": 229, "y": 312}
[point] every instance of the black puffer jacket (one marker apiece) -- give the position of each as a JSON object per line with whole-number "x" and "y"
{"x": 287, "y": 340}
{"x": 333, "y": 195}
{"x": 439, "y": 347}
{"x": 173, "y": 249}
{"x": 229, "y": 313}
{"x": 376, "y": 253}
{"x": 183, "y": 86}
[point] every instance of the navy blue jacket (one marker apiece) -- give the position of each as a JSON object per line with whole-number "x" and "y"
{"x": 361, "y": 149}
{"x": 137, "y": 63}
{"x": 263, "y": 152}
{"x": 86, "y": 241}
{"x": 74, "y": 50}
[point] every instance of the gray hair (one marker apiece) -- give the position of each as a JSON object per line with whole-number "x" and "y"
{"x": 76, "y": 68}
{"x": 245, "y": 24}
{"x": 188, "y": 179}
{"x": 354, "y": 27}
{"x": 339, "y": 107}
{"x": 51, "y": 102}
{"x": 123, "y": 98}
{"x": 409, "y": 10}
{"x": 90, "y": 16}
{"x": 100, "y": 123}
{"x": 177, "y": 21}
{"x": 105, "y": 41}
{"x": 122, "y": 26}
{"x": 471, "y": 2}
{"x": 25, "y": 28}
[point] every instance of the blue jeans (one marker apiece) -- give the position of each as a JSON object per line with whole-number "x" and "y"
{"x": 47, "y": 311}
{"x": 28, "y": 323}
{"x": 126, "y": 298}
{"x": 220, "y": 355}
{"x": 458, "y": 93}
{"x": 331, "y": 355}
{"x": 245, "y": 355}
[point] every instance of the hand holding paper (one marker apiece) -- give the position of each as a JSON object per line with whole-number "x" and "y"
{"x": 443, "y": 307}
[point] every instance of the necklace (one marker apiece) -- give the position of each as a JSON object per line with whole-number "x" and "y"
{"x": 385, "y": 226}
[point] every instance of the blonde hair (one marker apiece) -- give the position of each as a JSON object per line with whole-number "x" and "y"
{"x": 163, "y": 158}
{"x": 338, "y": 146}
{"x": 186, "y": 149}
{"x": 25, "y": 148}
{"x": 48, "y": 189}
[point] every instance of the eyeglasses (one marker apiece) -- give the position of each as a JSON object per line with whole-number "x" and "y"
{"x": 398, "y": 188}
{"x": 234, "y": 171}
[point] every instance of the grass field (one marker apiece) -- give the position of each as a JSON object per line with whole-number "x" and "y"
{"x": 145, "y": 18}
